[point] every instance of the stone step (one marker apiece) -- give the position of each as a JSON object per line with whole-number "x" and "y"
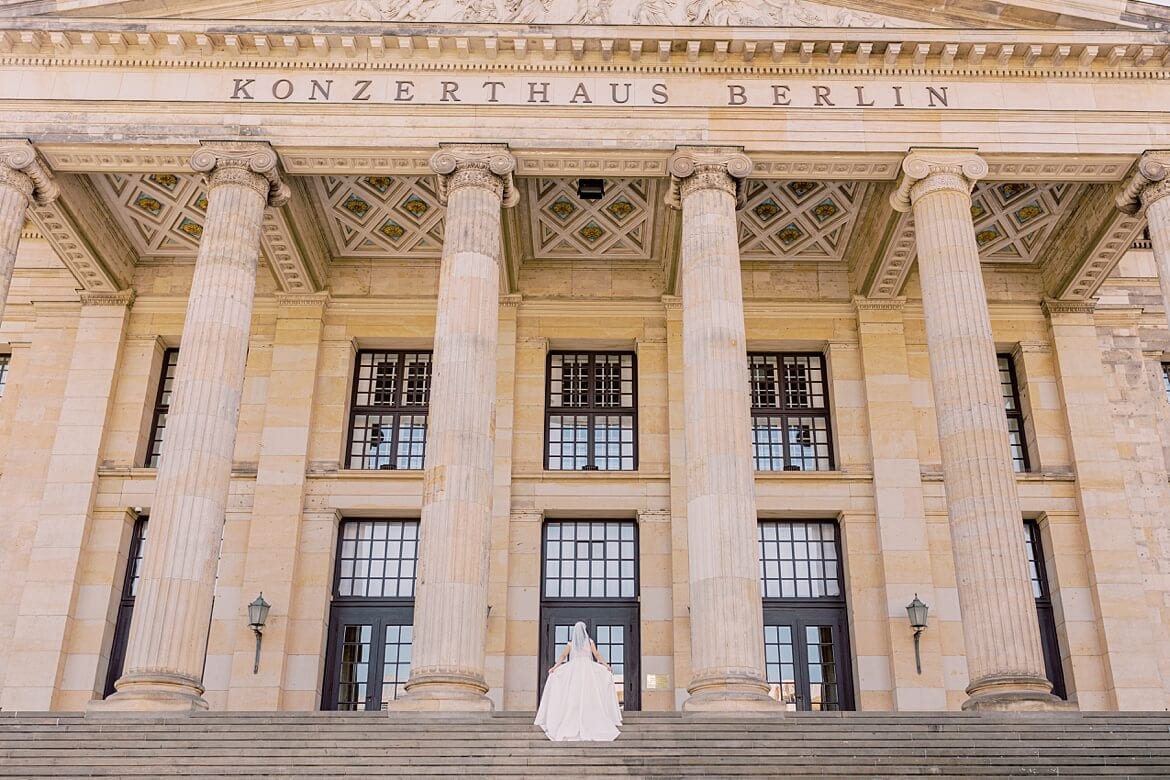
{"x": 311, "y": 745}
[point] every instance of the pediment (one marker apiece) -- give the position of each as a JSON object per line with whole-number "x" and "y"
{"x": 964, "y": 14}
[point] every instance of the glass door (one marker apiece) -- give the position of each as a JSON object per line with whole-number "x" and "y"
{"x": 614, "y": 629}
{"x": 806, "y": 656}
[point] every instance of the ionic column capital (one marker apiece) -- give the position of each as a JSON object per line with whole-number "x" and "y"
{"x": 695, "y": 168}
{"x": 246, "y": 163}
{"x": 23, "y": 169}
{"x": 1149, "y": 182}
{"x": 930, "y": 170}
{"x": 483, "y": 166}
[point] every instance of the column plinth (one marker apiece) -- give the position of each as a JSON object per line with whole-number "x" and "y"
{"x": 727, "y": 630}
{"x": 1148, "y": 189}
{"x": 450, "y": 623}
{"x": 24, "y": 181}
{"x": 168, "y": 634}
{"x": 1004, "y": 657}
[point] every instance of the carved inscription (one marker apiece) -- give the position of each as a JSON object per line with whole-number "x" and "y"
{"x": 427, "y": 90}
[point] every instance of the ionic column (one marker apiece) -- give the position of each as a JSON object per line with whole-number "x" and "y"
{"x": 727, "y": 632}
{"x": 450, "y": 615}
{"x": 24, "y": 180}
{"x": 168, "y": 635}
{"x": 1148, "y": 189}
{"x": 1004, "y": 658}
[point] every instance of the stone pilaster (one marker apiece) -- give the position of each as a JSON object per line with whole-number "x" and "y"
{"x": 902, "y": 535}
{"x": 450, "y": 617}
{"x": 1004, "y": 657}
{"x": 1115, "y": 576}
{"x": 1147, "y": 190}
{"x": 727, "y": 633}
{"x": 273, "y": 564}
{"x": 24, "y": 180}
{"x": 168, "y": 635}
{"x": 51, "y": 609}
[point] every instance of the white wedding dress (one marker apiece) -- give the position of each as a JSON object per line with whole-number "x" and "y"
{"x": 580, "y": 701}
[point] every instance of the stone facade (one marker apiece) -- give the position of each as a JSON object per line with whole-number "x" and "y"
{"x": 850, "y": 199}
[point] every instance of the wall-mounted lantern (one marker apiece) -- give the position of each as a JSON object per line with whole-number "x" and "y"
{"x": 257, "y": 617}
{"x": 917, "y": 612}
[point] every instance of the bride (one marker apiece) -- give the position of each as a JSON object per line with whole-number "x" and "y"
{"x": 580, "y": 701}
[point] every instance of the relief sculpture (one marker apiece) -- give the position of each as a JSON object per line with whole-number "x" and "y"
{"x": 779, "y": 13}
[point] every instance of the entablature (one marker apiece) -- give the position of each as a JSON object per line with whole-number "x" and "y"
{"x": 453, "y": 47}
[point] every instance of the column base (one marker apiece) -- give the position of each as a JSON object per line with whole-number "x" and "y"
{"x": 444, "y": 694}
{"x": 1014, "y": 694}
{"x": 730, "y": 695}
{"x": 155, "y": 694}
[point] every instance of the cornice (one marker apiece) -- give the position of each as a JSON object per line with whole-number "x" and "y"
{"x": 175, "y": 44}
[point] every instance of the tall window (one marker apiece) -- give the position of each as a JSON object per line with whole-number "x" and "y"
{"x": 371, "y": 620}
{"x": 1048, "y": 639}
{"x": 162, "y": 407}
{"x": 591, "y": 575}
{"x": 1165, "y": 378}
{"x": 790, "y": 412}
{"x": 126, "y": 604}
{"x": 4, "y": 360}
{"x": 1010, "y": 388}
{"x": 591, "y": 418}
{"x": 388, "y": 417}
{"x": 806, "y": 639}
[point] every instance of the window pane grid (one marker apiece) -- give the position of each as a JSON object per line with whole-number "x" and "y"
{"x": 396, "y": 662}
{"x": 134, "y": 565}
{"x": 790, "y": 412}
{"x": 1035, "y": 560}
{"x": 162, "y": 407}
{"x": 1165, "y": 379}
{"x": 354, "y": 672}
{"x": 388, "y": 422}
{"x": 1010, "y": 389}
{"x": 377, "y": 559}
{"x": 780, "y": 664}
{"x": 590, "y": 560}
{"x": 4, "y": 361}
{"x": 591, "y": 410}
{"x": 822, "y": 669}
{"x": 799, "y": 560}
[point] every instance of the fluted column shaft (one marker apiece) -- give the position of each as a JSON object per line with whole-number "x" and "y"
{"x": 450, "y": 618}
{"x": 1149, "y": 189}
{"x": 168, "y": 635}
{"x": 24, "y": 180}
{"x": 727, "y": 632}
{"x": 1004, "y": 658}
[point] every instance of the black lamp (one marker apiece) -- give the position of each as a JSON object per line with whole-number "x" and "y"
{"x": 257, "y": 617}
{"x": 917, "y": 612}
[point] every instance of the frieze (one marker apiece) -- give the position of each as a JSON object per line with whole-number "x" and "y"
{"x": 721, "y": 13}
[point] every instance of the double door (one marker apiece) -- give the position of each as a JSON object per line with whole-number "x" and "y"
{"x": 806, "y": 653}
{"x": 613, "y": 628}
{"x": 368, "y": 659}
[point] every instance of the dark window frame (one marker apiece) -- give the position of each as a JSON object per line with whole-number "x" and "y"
{"x": 1022, "y": 464}
{"x": 593, "y": 410}
{"x": 167, "y": 370}
{"x": 592, "y": 609}
{"x": 396, "y": 410}
{"x": 126, "y": 605}
{"x": 378, "y": 611}
{"x": 1041, "y": 590}
{"x": 802, "y": 612}
{"x": 783, "y": 412}
{"x": 5, "y": 363}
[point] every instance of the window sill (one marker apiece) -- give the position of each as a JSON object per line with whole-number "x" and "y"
{"x": 407, "y": 475}
{"x": 935, "y": 474}
{"x": 852, "y": 475}
{"x": 546, "y": 476}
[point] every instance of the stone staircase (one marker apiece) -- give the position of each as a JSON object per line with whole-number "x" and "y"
{"x": 858, "y": 745}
